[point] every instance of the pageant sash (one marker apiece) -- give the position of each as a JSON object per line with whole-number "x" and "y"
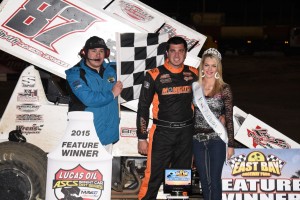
{"x": 206, "y": 112}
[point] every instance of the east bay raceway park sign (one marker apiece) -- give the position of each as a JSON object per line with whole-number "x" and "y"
{"x": 268, "y": 170}
{"x": 262, "y": 174}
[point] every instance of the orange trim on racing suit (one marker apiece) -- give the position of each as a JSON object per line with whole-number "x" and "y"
{"x": 169, "y": 90}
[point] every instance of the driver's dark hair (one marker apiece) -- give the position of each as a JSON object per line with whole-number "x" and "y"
{"x": 176, "y": 40}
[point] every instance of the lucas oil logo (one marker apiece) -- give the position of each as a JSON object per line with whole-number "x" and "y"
{"x": 78, "y": 183}
{"x": 256, "y": 164}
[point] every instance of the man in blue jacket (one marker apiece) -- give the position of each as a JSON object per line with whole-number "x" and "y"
{"x": 94, "y": 87}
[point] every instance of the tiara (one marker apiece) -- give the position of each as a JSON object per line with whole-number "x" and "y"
{"x": 213, "y": 51}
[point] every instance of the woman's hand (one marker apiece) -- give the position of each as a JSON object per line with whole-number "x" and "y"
{"x": 230, "y": 152}
{"x": 222, "y": 120}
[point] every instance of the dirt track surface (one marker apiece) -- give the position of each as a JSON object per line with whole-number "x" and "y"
{"x": 264, "y": 85}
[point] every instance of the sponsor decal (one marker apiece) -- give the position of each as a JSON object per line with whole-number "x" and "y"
{"x": 76, "y": 84}
{"x": 128, "y": 132}
{"x": 28, "y": 81}
{"x": 167, "y": 28}
{"x": 165, "y": 78}
{"x": 260, "y": 136}
{"x": 176, "y": 90}
{"x": 135, "y": 12}
{"x": 146, "y": 84}
{"x": 187, "y": 73}
{"x": 177, "y": 177}
{"x": 181, "y": 173}
{"x": 111, "y": 79}
{"x": 33, "y": 129}
{"x": 45, "y": 23}
{"x": 78, "y": 183}
{"x": 28, "y": 107}
{"x": 256, "y": 164}
{"x": 187, "y": 76}
{"x": 29, "y": 118}
{"x": 143, "y": 126}
{"x": 28, "y": 96}
{"x": 17, "y": 41}
{"x": 41, "y": 21}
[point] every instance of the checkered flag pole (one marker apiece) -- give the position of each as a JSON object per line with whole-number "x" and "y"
{"x": 137, "y": 53}
{"x": 272, "y": 158}
{"x": 233, "y": 160}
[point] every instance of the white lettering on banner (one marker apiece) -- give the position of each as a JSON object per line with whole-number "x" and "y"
{"x": 254, "y": 185}
{"x": 70, "y": 175}
{"x": 271, "y": 196}
{"x": 78, "y": 175}
{"x": 261, "y": 189}
{"x": 268, "y": 185}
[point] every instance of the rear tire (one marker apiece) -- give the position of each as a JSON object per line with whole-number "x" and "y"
{"x": 23, "y": 171}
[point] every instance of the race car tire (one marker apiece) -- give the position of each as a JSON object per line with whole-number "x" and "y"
{"x": 23, "y": 171}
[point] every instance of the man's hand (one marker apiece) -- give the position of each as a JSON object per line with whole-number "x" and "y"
{"x": 143, "y": 147}
{"x": 117, "y": 89}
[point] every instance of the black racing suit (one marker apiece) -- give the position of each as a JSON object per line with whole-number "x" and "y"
{"x": 170, "y": 144}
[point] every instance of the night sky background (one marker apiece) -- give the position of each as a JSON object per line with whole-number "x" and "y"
{"x": 236, "y": 12}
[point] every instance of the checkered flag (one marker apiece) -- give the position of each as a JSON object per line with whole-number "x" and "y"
{"x": 137, "y": 53}
{"x": 233, "y": 160}
{"x": 272, "y": 158}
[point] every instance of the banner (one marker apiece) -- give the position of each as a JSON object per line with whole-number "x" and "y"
{"x": 266, "y": 174}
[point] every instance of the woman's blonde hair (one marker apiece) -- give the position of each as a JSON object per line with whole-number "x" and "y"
{"x": 215, "y": 55}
